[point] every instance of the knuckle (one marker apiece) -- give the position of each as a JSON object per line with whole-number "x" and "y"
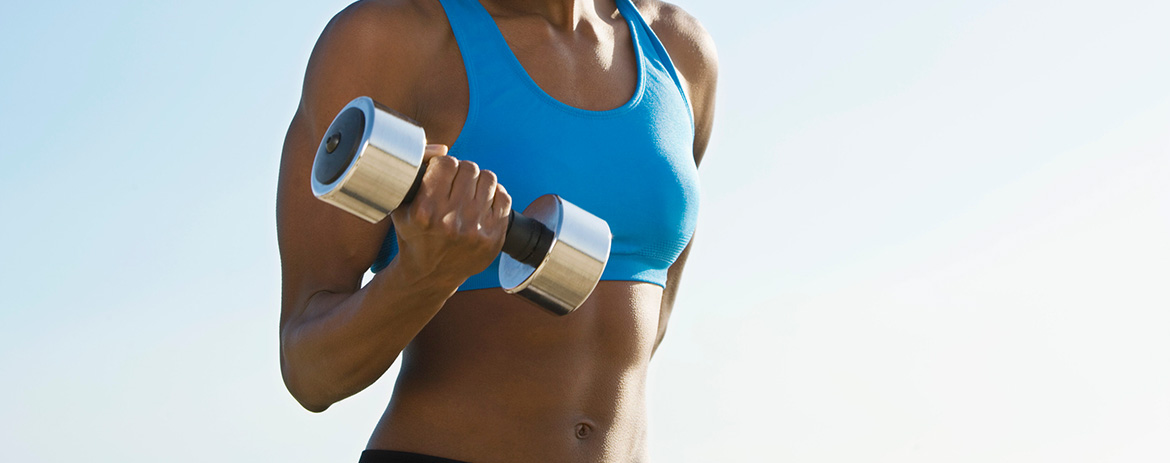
{"x": 420, "y": 214}
{"x": 467, "y": 172}
{"x": 453, "y": 231}
{"x": 488, "y": 176}
{"x": 488, "y": 237}
{"x": 468, "y": 166}
{"x": 444, "y": 163}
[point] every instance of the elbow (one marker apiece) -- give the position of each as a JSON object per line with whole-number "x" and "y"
{"x": 315, "y": 401}
{"x": 315, "y": 407}
{"x": 311, "y": 396}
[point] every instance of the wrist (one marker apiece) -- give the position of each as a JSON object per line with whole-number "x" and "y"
{"x": 421, "y": 277}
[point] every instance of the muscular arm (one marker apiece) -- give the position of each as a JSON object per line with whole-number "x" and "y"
{"x": 336, "y": 337}
{"x": 693, "y": 53}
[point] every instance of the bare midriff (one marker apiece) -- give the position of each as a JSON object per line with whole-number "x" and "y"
{"x": 494, "y": 378}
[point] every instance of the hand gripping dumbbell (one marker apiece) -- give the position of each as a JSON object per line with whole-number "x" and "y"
{"x": 370, "y": 163}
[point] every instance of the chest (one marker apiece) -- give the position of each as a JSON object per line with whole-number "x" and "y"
{"x": 607, "y": 127}
{"x": 594, "y": 71}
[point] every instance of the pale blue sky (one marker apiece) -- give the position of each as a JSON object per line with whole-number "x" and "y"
{"x": 930, "y": 231}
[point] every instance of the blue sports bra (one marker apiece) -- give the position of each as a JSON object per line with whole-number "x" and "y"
{"x": 632, "y": 166}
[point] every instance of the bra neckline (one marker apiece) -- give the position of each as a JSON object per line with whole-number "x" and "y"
{"x": 501, "y": 44}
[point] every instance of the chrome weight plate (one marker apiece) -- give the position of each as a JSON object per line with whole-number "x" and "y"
{"x": 368, "y": 159}
{"x": 573, "y": 264}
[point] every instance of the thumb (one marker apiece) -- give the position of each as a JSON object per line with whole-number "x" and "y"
{"x": 434, "y": 150}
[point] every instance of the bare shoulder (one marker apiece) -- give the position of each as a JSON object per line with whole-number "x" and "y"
{"x": 373, "y": 47}
{"x": 693, "y": 53}
{"x": 376, "y": 48}
{"x": 690, "y": 46}
{"x": 400, "y": 24}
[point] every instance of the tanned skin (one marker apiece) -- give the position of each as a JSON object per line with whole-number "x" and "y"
{"x": 485, "y": 377}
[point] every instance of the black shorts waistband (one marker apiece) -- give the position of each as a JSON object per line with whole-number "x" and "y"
{"x": 394, "y": 456}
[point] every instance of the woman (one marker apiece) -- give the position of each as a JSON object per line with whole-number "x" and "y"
{"x": 607, "y": 104}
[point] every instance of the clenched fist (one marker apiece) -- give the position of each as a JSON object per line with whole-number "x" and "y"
{"x": 455, "y": 225}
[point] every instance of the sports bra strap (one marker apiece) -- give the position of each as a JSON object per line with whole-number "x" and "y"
{"x": 483, "y": 50}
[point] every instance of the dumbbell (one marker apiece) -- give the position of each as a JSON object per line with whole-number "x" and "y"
{"x": 370, "y": 162}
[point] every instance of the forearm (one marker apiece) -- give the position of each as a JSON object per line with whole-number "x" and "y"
{"x": 343, "y": 342}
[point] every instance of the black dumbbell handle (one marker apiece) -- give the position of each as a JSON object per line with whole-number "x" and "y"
{"x": 526, "y": 240}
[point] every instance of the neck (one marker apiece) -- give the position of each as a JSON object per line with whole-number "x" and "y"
{"x": 561, "y": 14}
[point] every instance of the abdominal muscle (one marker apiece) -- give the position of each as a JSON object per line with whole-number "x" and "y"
{"x": 494, "y": 378}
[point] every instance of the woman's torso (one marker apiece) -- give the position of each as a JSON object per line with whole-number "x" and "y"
{"x": 492, "y": 375}
{"x": 492, "y": 378}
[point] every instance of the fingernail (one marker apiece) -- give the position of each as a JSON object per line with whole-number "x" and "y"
{"x": 435, "y": 148}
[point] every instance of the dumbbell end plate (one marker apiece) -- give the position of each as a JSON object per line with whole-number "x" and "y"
{"x": 375, "y": 157}
{"x": 572, "y": 266}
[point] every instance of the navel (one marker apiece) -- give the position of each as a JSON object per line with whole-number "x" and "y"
{"x": 584, "y": 430}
